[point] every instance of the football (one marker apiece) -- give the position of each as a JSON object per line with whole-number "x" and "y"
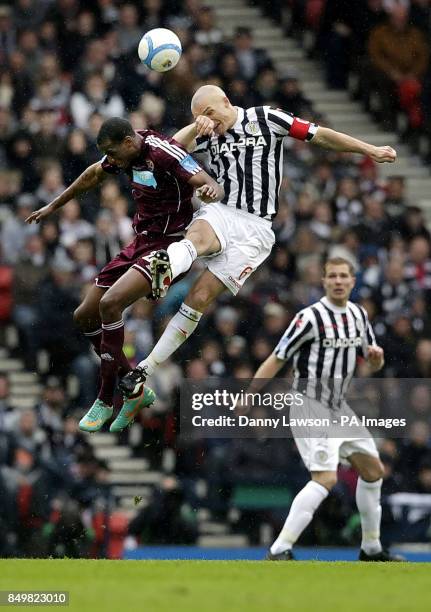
{"x": 160, "y": 49}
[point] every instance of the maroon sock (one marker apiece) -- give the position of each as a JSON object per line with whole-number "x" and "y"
{"x": 111, "y": 351}
{"x": 96, "y": 339}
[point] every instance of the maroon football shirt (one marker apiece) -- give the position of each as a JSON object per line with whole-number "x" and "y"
{"x": 159, "y": 180}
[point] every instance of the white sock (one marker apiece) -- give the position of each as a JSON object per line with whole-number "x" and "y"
{"x": 368, "y": 502}
{"x": 179, "y": 328}
{"x": 181, "y": 255}
{"x": 301, "y": 512}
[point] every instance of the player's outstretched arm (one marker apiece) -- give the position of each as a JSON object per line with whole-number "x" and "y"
{"x": 337, "y": 141}
{"x": 89, "y": 179}
{"x": 202, "y": 126}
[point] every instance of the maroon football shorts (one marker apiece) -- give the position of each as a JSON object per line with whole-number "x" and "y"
{"x": 135, "y": 255}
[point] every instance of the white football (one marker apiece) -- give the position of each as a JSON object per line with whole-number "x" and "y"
{"x": 160, "y": 49}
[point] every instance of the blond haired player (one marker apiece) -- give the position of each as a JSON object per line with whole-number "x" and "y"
{"x": 324, "y": 340}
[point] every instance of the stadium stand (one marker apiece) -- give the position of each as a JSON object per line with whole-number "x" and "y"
{"x": 61, "y": 61}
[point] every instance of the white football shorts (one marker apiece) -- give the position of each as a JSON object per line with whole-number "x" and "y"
{"x": 246, "y": 241}
{"x": 319, "y": 451}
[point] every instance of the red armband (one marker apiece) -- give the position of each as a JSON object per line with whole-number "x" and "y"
{"x": 299, "y": 129}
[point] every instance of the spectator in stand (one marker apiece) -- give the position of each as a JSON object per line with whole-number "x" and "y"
{"x": 392, "y": 293}
{"x": 72, "y": 226}
{"x": 375, "y": 226}
{"x": 95, "y": 98}
{"x": 52, "y": 408}
{"x": 15, "y": 231}
{"x": 7, "y": 34}
{"x": 421, "y": 364}
{"x": 413, "y": 224}
{"x": 399, "y": 55}
{"x": 251, "y": 60}
{"x": 21, "y": 155}
{"x": 414, "y": 450}
{"x": 205, "y": 31}
{"x": 29, "y": 271}
{"x": 399, "y": 346}
{"x": 417, "y": 271}
{"x": 396, "y": 200}
{"x": 7, "y": 416}
{"x": 292, "y": 99}
{"x": 51, "y": 184}
{"x": 128, "y": 30}
{"x": 75, "y": 157}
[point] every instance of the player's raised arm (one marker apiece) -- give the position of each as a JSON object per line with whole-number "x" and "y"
{"x": 89, "y": 179}
{"x": 202, "y": 127}
{"x": 337, "y": 141}
{"x": 286, "y": 124}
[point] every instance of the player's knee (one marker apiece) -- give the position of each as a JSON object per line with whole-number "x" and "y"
{"x": 200, "y": 298}
{"x": 201, "y": 243}
{"x": 204, "y": 238}
{"x": 110, "y": 306}
{"x": 83, "y": 319}
{"x": 327, "y": 479}
{"x": 373, "y": 472}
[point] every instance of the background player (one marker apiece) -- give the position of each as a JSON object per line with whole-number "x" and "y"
{"x": 244, "y": 149}
{"x": 327, "y": 366}
{"x": 162, "y": 176}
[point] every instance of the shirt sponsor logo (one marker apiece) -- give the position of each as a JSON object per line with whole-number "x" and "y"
{"x": 144, "y": 177}
{"x": 245, "y": 141}
{"x": 341, "y": 342}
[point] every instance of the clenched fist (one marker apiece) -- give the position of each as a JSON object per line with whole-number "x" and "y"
{"x": 204, "y": 126}
{"x": 383, "y": 154}
{"x": 375, "y": 357}
{"x": 207, "y": 194}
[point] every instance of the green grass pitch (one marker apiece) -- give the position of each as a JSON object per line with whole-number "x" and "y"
{"x": 237, "y": 586}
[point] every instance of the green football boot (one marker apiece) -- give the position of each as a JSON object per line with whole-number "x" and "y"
{"x": 131, "y": 407}
{"x": 96, "y": 417}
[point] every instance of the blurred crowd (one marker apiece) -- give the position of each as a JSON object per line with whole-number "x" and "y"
{"x": 64, "y": 67}
{"x": 380, "y": 50}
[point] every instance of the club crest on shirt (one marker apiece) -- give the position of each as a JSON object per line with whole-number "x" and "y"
{"x": 144, "y": 177}
{"x": 150, "y": 165}
{"x": 252, "y": 127}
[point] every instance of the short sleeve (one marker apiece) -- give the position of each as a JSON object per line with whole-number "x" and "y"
{"x": 173, "y": 158}
{"x": 286, "y": 124}
{"x": 300, "y": 331}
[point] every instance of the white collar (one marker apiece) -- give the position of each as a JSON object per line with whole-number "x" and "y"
{"x": 331, "y": 306}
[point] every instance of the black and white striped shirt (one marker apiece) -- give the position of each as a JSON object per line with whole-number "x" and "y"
{"x": 325, "y": 341}
{"x": 248, "y": 159}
